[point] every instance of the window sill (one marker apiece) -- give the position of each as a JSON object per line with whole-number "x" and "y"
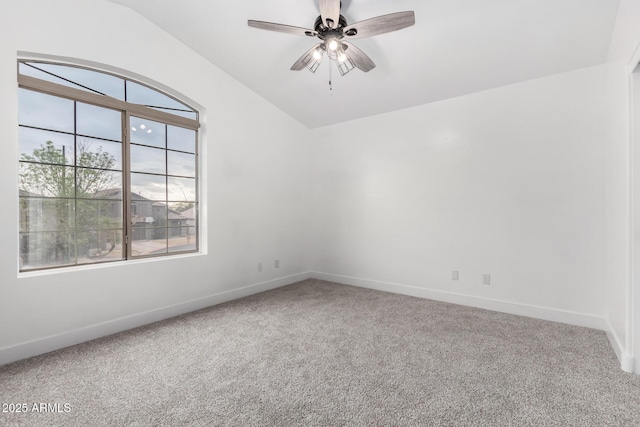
{"x": 113, "y": 264}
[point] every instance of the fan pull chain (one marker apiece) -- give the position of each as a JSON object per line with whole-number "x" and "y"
{"x": 330, "y": 85}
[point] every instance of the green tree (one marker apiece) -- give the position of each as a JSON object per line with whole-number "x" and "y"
{"x": 181, "y": 206}
{"x": 57, "y": 197}
{"x": 46, "y": 172}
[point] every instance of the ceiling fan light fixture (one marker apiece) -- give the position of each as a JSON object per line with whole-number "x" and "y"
{"x": 333, "y": 48}
{"x": 340, "y": 55}
{"x": 345, "y": 65}
{"x": 336, "y": 52}
{"x": 312, "y": 60}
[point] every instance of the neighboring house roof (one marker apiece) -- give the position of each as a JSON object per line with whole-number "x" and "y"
{"x": 189, "y": 213}
{"x": 176, "y": 215}
{"x": 110, "y": 193}
{"x": 115, "y": 193}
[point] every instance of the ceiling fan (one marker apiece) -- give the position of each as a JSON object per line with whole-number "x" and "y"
{"x": 331, "y": 27}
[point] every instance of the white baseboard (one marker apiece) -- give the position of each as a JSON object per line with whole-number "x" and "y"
{"x": 627, "y": 363}
{"x": 626, "y": 360}
{"x": 77, "y": 336}
{"x": 544, "y": 313}
{"x": 614, "y": 340}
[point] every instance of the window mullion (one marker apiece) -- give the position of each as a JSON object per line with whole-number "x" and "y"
{"x": 126, "y": 185}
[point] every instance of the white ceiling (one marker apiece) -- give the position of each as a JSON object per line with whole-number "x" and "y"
{"x": 456, "y": 47}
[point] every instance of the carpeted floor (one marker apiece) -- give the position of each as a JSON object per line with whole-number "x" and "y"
{"x": 318, "y": 353}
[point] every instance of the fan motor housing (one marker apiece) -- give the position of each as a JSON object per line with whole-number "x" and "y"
{"x": 324, "y": 31}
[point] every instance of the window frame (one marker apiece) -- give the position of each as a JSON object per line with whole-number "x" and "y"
{"x": 127, "y": 109}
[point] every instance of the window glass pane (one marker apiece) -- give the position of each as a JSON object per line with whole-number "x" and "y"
{"x": 27, "y": 70}
{"x": 148, "y": 240}
{"x": 98, "y": 153}
{"x": 148, "y": 213}
{"x": 182, "y": 239}
{"x": 98, "y": 183}
{"x": 101, "y": 83}
{"x": 159, "y": 214}
{"x": 45, "y": 111}
{"x": 149, "y": 187}
{"x": 149, "y": 233}
{"x": 47, "y": 249}
{"x": 46, "y": 180}
{"x": 181, "y": 139}
{"x": 46, "y": 147}
{"x": 141, "y": 211}
{"x": 99, "y": 246}
{"x": 148, "y": 132}
{"x": 139, "y": 94}
{"x": 98, "y": 214}
{"x": 176, "y": 219}
{"x": 182, "y": 164}
{"x": 147, "y": 159}
{"x": 39, "y": 214}
{"x": 110, "y": 193}
{"x": 185, "y": 209}
{"x": 99, "y": 122}
{"x": 182, "y": 189}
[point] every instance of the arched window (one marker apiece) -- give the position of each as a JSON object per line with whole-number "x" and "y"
{"x": 108, "y": 168}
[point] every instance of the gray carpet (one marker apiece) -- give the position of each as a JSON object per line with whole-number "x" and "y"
{"x": 318, "y": 353}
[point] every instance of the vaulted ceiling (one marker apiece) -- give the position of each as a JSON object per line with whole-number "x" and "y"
{"x": 455, "y": 48}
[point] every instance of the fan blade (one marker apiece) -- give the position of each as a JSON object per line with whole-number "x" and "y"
{"x": 380, "y": 25}
{"x": 307, "y": 60}
{"x": 282, "y": 28}
{"x": 330, "y": 11}
{"x": 359, "y": 58}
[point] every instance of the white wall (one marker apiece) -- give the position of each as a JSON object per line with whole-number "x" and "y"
{"x": 621, "y": 290}
{"x": 509, "y": 182}
{"x": 632, "y": 348}
{"x": 626, "y": 32}
{"x": 617, "y": 221}
{"x": 255, "y": 203}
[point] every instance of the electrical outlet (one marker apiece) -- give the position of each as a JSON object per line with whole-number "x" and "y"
{"x": 486, "y": 279}
{"x": 455, "y": 275}
{"x": 259, "y": 266}
{"x": 277, "y": 263}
